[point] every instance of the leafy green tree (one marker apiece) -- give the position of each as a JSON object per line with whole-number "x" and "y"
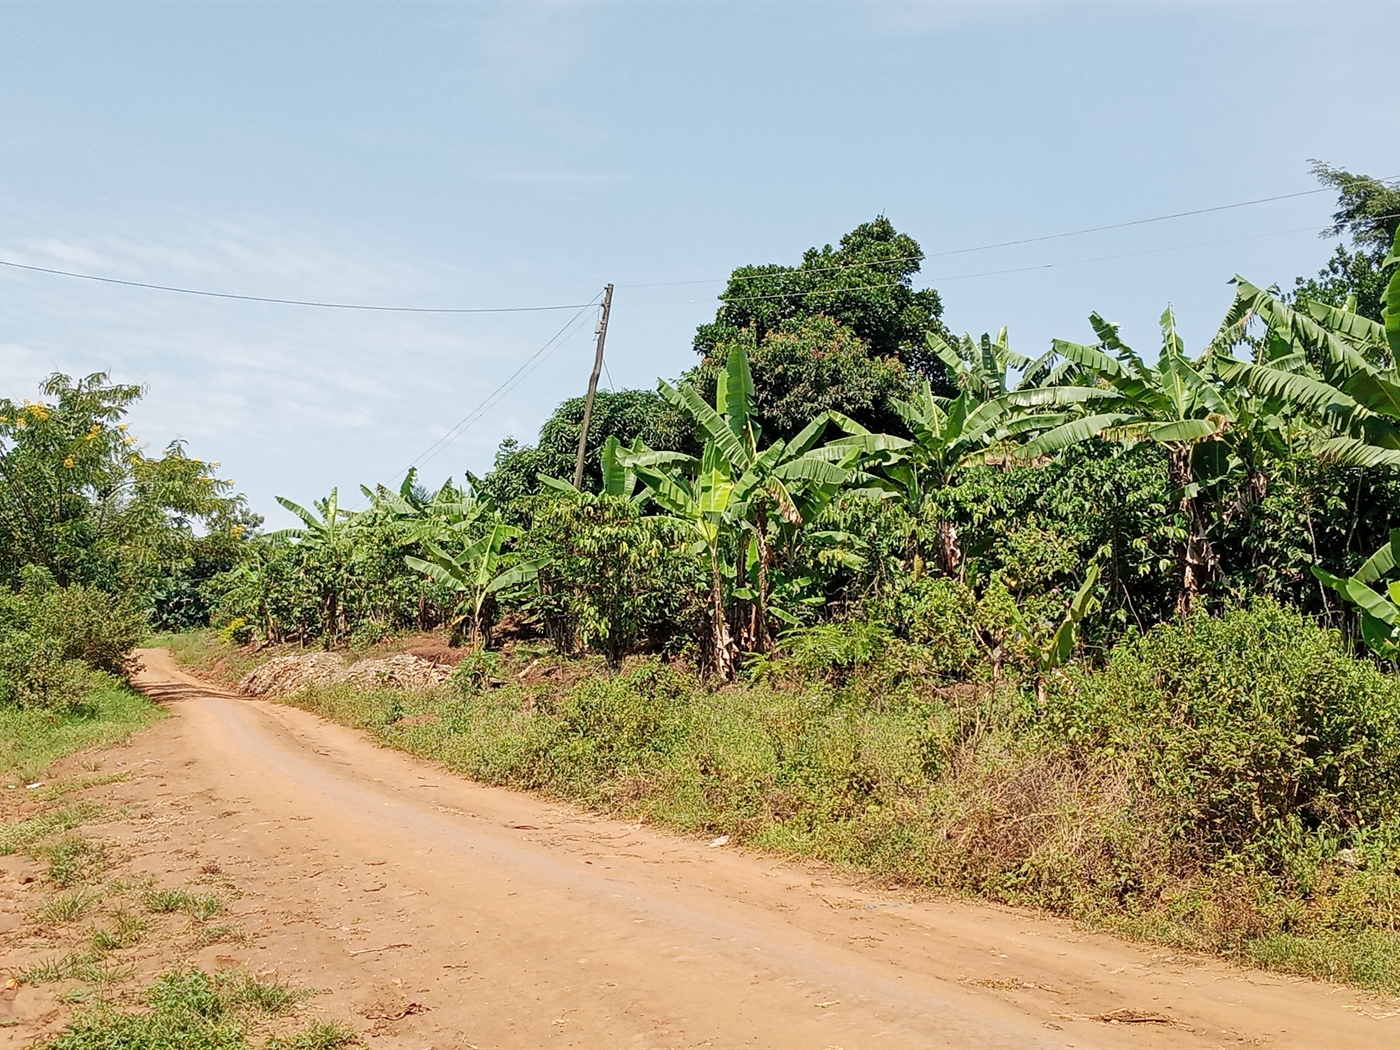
{"x": 611, "y": 578}
{"x": 626, "y": 415}
{"x": 79, "y": 497}
{"x": 810, "y": 365}
{"x": 865, "y": 283}
{"x": 1368, "y": 213}
{"x": 329, "y": 537}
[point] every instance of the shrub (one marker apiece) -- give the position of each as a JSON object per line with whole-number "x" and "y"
{"x": 615, "y": 579}
{"x": 1256, "y": 729}
{"x": 52, "y": 639}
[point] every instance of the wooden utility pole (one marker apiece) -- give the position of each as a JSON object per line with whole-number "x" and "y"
{"x": 592, "y": 388}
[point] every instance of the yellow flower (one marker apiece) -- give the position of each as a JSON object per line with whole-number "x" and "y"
{"x": 131, "y": 441}
{"x": 238, "y": 530}
{"x": 68, "y": 462}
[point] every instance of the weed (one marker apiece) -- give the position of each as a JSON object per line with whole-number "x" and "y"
{"x": 32, "y": 740}
{"x": 68, "y": 906}
{"x": 23, "y": 833}
{"x": 240, "y": 991}
{"x": 75, "y": 860}
{"x": 47, "y": 971}
{"x": 208, "y": 935}
{"x": 128, "y": 930}
{"x": 198, "y": 906}
{"x": 190, "y": 1010}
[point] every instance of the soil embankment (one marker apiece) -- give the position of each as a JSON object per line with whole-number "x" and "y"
{"x": 439, "y": 912}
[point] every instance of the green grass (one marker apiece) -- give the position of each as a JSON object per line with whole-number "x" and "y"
{"x": 192, "y": 1010}
{"x": 128, "y": 930}
{"x": 198, "y": 906}
{"x": 75, "y": 860}
{"x": 31, "y": 740}
{"x": 1095, "y": 807}
{"x": 20, "y": 834}
{"x": 204, "y": 651}
{"x": 68, "y": 906}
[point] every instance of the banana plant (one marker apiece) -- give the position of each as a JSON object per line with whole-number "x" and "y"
{"x": 1212, "y": 428}
{"x": 1380, "y": 613}
{"x": 329, "y": 532}
{"x": 619, "y": 471}
{"x": 1348, "y": 377}
{"x": 703, "y": 503}
{"x": 477, "y": 573}
{"x": 744, "y": 495}
{"x": 985, "y": 367}
{"x": 451, "y": 515}
{"x": 1050, "y": 654}
{"x": 948, "y": 434}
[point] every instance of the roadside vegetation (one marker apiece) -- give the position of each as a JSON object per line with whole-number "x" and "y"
{"x": 1100, "y": 630}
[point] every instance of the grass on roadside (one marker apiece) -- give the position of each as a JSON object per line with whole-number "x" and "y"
{"x": 33, "y": 739}
{"x": 193, "y": 1010}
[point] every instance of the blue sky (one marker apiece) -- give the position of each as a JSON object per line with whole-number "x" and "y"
{"x": 525, "y": 154}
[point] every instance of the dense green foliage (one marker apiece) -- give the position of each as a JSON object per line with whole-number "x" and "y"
{"x": 80, "y": 498}
{"x": 626, "y": 415}
{"x": 1225, "y": 783}
{"x": 1083, "y": 631}
{"x": 865, "y": 284}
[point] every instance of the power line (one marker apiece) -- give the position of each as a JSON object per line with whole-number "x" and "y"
{"x": 296, "y": 302}
{"x": 533, "y": 361}
{"x": 999, "y": 244}
{"x": 989, "y": 273}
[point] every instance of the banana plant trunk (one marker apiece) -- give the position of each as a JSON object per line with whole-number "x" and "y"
{"x": 763, "y": 641}
{"x": 723, "y": 656}
{"x": 1198, "y": 562}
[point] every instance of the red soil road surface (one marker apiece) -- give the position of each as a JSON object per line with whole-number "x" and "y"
{"x": 485, "y": 917}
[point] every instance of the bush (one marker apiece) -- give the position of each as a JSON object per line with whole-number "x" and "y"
{"x": 615, "y": 580}
{"x": 1256, "y": 730}
{"x": 53, "y": 638}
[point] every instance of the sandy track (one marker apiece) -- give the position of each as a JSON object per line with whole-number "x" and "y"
{"x": 497, "y": 919}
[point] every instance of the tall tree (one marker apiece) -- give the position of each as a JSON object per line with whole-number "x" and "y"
{"x": 1368, "y": 214}
{"x": 625, "y": 414}
{"x": 865, "y": 283}
{"x": 810, "y": 365}
{"x": 79, "y": 497}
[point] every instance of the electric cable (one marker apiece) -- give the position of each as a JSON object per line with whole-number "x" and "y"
{"x": 529, "y": 365}
{"x": 296, "y": 302}
{"x": 989, "y": 273}
{"x": 1001, "y": 244}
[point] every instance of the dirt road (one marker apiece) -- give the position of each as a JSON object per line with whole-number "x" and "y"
{"x": 483, "y": 917}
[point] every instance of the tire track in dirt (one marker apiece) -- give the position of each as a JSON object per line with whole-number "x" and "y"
{"x": 444, "y": 913}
